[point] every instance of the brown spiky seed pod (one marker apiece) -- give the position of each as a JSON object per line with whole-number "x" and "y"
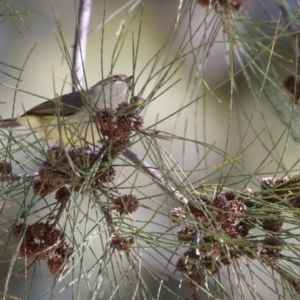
{"x": 186, "y": 234}
{"x": 5, "y": 167}
{"x": 121, "y": 244}
{"x": 225, "y": 4}
{"x": 126, "y": 204}
{"x": 178, "y": 214}
{"x": 293, "y": 86}
{"x": 62, "y": 193}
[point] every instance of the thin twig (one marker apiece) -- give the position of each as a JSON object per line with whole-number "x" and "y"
{"x": 178, "y": 12}
{"x": 108, "y": 218}
{"x": 160, "y": 181}
{"x": 14, "y": 177}
{"x": 63, "y": 203}
{"x": 80, "y": 45}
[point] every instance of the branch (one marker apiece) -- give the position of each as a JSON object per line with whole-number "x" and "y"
{"x": 80, "y": 45}
{"x": 14, "y": 177}
{"x": 159, "y": 180}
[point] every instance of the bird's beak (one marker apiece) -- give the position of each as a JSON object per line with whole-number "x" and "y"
{"x": 129, "y": 81}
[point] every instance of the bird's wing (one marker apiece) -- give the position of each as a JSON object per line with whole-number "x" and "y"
{"x": 65, "y": 105}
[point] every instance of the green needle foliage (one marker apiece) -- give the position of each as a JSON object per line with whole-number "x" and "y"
{"x": 186, "y": 213}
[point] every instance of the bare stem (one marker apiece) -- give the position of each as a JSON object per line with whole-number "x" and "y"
{"x": 63, "y": 204}
{"x": 4, "y": 177}
{"x": 159, "y": 180}
{"x": 80, "y": 45}
{"x": 108, "y": 218}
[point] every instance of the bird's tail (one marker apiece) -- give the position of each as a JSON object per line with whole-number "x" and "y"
{"x": 9, "y": 123}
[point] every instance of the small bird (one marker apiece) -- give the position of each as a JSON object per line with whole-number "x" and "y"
{"x": 68, "y": 119}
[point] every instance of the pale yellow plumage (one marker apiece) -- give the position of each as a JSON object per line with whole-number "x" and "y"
{"x": 75, "y": 130}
